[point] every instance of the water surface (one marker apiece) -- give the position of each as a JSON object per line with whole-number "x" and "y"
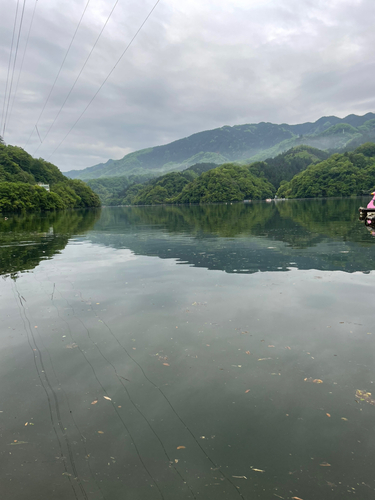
{"x": 171, "y": 352}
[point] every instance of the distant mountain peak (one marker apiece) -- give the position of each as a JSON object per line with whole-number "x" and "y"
{"x": 240, "y": 143}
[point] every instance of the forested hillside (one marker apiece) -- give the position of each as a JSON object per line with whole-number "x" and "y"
{"x": 229, "y": 182}
{"x": 109, "y": 189}
{"x": 286, "y": 165}
{"x": 144, "y": 189}
{"x": 240, "y": 143}
{"x": 347, "y": 174}
{"x": 20, "y": 174}
{"x": 175, "y": 187}
{"x": 301, "y": 172}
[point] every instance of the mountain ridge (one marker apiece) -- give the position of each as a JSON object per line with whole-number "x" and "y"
{"x": 239, "y": 143}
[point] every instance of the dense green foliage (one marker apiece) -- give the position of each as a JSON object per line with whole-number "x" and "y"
{"x": 199, "y": 168}
{"x": 229, "y": 182}
{"x": 159, "y": 190}
{"x": 19, "y": 175}
{"x": 298, "y": 172}
{"x": 286, "y": 165}
{"x": 110, "y": 189}
{"x": 123, "y": 190}
{"x": 16, "y": 196}
{"x": 18, "y": 166}
{"x": 348, "y": 174}
{"x": 75, "y": 193}
{"x": 241, "y": 143}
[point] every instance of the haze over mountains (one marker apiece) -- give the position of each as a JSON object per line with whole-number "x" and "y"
{"x": 240, "y": 143}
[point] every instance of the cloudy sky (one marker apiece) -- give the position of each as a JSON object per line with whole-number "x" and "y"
{"x": 195, "y": 65}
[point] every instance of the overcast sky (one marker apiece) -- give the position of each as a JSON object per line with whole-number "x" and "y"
{"x": 195, "y": 65}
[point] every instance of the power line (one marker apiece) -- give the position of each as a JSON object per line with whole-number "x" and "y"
{"x": 58, "y": 73}
{"x": 14, "y": 64}
{"x": 9, "y": 63}
{"x": 23, "y": 59}
{"x": 36, "y": 127}
{"x": 106, "y": 78}
{"x": 79, "y": 74}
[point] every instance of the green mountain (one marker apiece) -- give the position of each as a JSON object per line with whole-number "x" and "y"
{"x": 174, "y": 186}
{"x": 123, "y": 190}
{"x": 347, "y": 174}
{"x": 285, "y": 166}
{"x": 20, "y": 176}
{"x": 109, "y": 188}
{"x": 301, "y": 172}
{"x": 228, "y": 182}
{"x": 241, "y": 143}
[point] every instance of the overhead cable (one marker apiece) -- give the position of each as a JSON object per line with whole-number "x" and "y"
{"x": 9, "y": 63}
{"x": 14, "y": 65}
{"x": 38, "y": 133}
{"x": 106, "y": 78}
{"x": 79, "y": 74}
{"x": 58, "y": 73}
{"x": 23, "y": 59}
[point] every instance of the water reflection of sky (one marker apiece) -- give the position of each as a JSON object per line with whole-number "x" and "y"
{"x": 144, "y": 379}
{"x": 213, "y": 362}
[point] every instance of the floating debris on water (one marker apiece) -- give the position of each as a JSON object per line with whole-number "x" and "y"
{"x": 313, "y": 380}
{"x": 364, "y": 396}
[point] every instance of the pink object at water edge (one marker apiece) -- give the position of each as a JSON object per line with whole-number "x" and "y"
{"x": 371, "y": 204}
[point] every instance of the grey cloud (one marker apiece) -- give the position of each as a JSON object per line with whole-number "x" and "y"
{"x": 194, "y": 66}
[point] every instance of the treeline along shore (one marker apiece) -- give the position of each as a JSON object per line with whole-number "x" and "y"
{"x": 300, "y": 172}
{"x": 30, "y": 184}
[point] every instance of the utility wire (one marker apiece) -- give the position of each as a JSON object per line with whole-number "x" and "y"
{"x": 14, "y": 64}
{"x": 58, "y": 73}
{"x": 106, "y": 78}
{"x": 36, "y": 127}
{"x": 23, "y": 59}
{"x": 77, "y": 78}
{"x": 9, "y": 63}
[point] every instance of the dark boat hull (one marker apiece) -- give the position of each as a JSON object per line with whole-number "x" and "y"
{"x": 367, "y": 214}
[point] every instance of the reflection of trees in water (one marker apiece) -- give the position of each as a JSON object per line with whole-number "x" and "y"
{"x": 336, "y": 218}
{"x": 245, "y": 238}
{"x": 225, "y": 221}
{"x": 299, "y": 223}
{"x": 216, "y": 220}
{"x": 25, "y": 240}
{"x": 214, "y": 236}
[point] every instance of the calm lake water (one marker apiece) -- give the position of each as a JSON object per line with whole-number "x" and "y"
{"x": 188, "y": 353}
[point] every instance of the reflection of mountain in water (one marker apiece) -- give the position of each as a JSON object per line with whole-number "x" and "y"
{"x": 245, "y": 238}
{"x": 25, "y": 240}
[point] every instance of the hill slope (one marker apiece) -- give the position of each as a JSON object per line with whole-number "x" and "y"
{"x": 229, "y": 182}
{"x": 20, "y": 174}
{"x": 243, "y": 143}
{"x": 345, "y": 174}
{"x": 300, "y": 172}
{"x": 138, "y": 190}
